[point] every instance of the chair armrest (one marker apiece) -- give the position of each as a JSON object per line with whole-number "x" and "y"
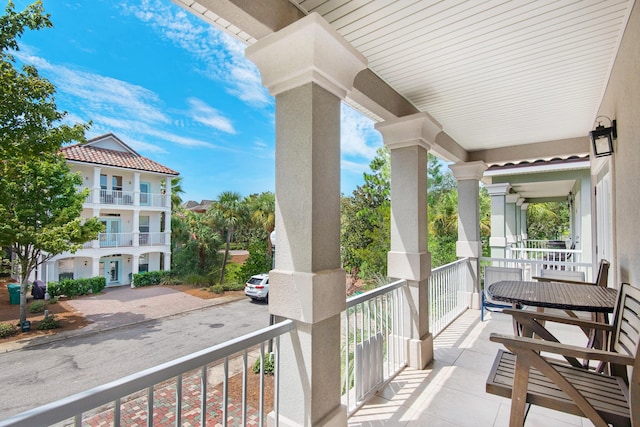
{"x": 550, "y": 279}
{"x": 520, "y": 343}
{"x": 522, "y": 314}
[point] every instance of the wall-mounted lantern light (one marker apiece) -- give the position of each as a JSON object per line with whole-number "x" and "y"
{"x": 602, "y": 137}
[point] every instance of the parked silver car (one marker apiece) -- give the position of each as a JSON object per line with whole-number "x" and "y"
{"x": 257, "y": 288}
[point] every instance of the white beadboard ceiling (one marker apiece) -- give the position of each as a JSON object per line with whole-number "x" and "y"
{"x": 493, "y": 73}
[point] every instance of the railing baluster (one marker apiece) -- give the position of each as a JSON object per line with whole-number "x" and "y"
{"x": 203, "y": 396}
{"x": 116, "y": 413}
{"x": 244, "y": 386}
{"x": 261, "y": 404}
{"x": 225, "y": 391}
{"x": 178, "y": 400}
{"x": 150, "y": 407}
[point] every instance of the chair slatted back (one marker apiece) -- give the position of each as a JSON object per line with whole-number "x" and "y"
{"x": 578, "y": 276}
{"x": 603, "y": 273}
{"x": 626, "y": 335}
{"x": 496, "y": 274}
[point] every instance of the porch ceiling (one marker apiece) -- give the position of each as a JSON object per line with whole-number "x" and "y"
{"x": 547, "y": 189}
{"x": 494, "y": 74}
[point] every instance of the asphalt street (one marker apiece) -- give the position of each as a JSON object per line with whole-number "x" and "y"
{"x": 46, "y": 372}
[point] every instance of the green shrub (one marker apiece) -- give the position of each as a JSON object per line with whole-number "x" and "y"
{"x": 49, "y": 322}
{"x": 150, "y": 278}
{"x": 6, "y": 330}
{"x": 197, "y": 280}
{"x": 234, "y": 286}
{"x": 268, "y": 366}
{"x": 75, "y": 287}
{"x": 217, "y": 289}
{"x": 37, "y": 306}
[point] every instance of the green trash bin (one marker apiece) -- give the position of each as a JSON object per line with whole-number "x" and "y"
{"x": 14, "y": 293}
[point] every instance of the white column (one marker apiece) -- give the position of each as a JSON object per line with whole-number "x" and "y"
{"x": 167, "y": 193}
{"x": 469, "y": 244}
{"x": 167, "y": 261}
{"x": 498, "y": 239}
{"x": 135, "y": 227}
{"x": 136, "y": 189}
{"x": 95, "y": 267}
{"x": 135, "y": 267}
{"x": 523, "y": 222}
{"x": 308, "y": 67}
{"x": 510, "y": 217}
{"x": 96, "y": 185}
{"x": 95, "y": 244}
{"x": 409, "y": 140}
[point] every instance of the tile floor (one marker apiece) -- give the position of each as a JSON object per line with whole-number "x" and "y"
{"x": 451, "y": 391}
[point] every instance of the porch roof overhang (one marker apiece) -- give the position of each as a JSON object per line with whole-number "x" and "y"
{"x": 506, "y": 81}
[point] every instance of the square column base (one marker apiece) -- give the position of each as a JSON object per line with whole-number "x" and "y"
{"x": 337, "y": 418}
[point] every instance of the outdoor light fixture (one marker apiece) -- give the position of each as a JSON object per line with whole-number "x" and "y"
{"x": 602, "y": 137}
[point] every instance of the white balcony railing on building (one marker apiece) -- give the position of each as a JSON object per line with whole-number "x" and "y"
{"x": 449, "y": 289}
{"x": 125, "y": 240}
{"x": 544, "y": 254}
{"x": 127, "y": 198}
{"x": 533, "y": 267}
{"x": 194, "y": 384}
{"x": 372, "y": 347}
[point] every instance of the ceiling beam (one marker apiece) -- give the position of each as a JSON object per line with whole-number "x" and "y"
{"x": 542, "y": 150}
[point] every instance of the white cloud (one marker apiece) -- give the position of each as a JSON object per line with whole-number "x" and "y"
{"x": 209, "y": 116}
{"x": 354, "y": 167}
{"x": 358, "y": 137}
{"x": 100, "y": 93}
{"x": 221, "y": 56}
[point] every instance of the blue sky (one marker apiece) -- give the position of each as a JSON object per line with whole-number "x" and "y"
{"x": 176, "y": 90}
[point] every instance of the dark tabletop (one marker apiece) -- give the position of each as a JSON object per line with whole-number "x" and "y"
{"x": 565, "y": 296}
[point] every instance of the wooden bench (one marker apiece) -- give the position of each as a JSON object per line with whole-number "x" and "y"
{"x": 528, "y": 378}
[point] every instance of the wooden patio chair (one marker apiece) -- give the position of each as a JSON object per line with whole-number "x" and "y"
{"x": 529, "y": 378}
{"x": 493, "y": 275}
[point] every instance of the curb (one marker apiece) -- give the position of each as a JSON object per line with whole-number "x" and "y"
{"x": 63, "y": 335}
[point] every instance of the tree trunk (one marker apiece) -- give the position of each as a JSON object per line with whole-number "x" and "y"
{"x": 226, "y": 254}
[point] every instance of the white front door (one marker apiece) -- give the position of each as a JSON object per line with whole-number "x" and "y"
{"x": 111, "y": 269}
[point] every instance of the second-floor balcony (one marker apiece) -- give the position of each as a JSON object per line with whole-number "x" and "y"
{"x": 115, "y": 240}
{"x": 127, "y": 198}
{"x": 377, "y": 386}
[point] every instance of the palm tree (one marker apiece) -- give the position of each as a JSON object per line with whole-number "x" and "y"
{"x": 228, "y": 210}
{"x": 264, "y": 215}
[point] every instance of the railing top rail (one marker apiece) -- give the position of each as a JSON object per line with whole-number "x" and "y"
{"x": 575, "y": 251}
{"x": 537, "y": 261}
{"x": 358, "y": 299}
{"x": 451, "y": 264}
{"x": 97, "y": 396}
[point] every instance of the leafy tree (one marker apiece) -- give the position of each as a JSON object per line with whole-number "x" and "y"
{"x": 263, "y": 214}
{"x": 40, "y": 206}
{"x": 228, "y": 211}
{"x": 365, "y": 223}
{"x": 196, "y": 245}
{"x": 257, "y": 262}
{"x": 548, "y": 221}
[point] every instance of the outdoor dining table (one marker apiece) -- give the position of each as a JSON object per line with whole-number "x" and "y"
{"x": 565, "y": 296}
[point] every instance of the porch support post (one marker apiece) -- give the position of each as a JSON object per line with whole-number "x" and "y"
{"x": 167, "y": 261}
{"x": 95, "y": 191}
{"x": 523, "y": 222}
{"x": 309, "y": 68}
{"x": 498, "y": 239}
{"x": 469, "y": 244}
{"x": 510, "y": 218}
{"x": 409, "y": 139}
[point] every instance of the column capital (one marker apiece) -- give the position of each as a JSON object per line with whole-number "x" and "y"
{"x": 416, "y": 129}
{"x": 307, "y": 51}
{"x": 512, "y": 198}
{"x": 468, "y": 170}
{"x": 498, "y": 189}
{"x": 520, "y": 201}
{"x": 524, "y": 206}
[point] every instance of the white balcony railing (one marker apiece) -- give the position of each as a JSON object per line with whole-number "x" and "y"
{"x": 449, "y": 288}
{"x": 372, "y": 351}
{"x": 543, "y": 254}
{"x": 532, "y": 267}
{"x": 127, "y": 198}
{"x": 174, "y": 390}
{"x": 127, "y": 240}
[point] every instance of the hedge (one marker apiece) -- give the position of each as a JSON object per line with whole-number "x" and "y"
{"x": 75, "y": 287}
{"x": 150, "y": 278}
